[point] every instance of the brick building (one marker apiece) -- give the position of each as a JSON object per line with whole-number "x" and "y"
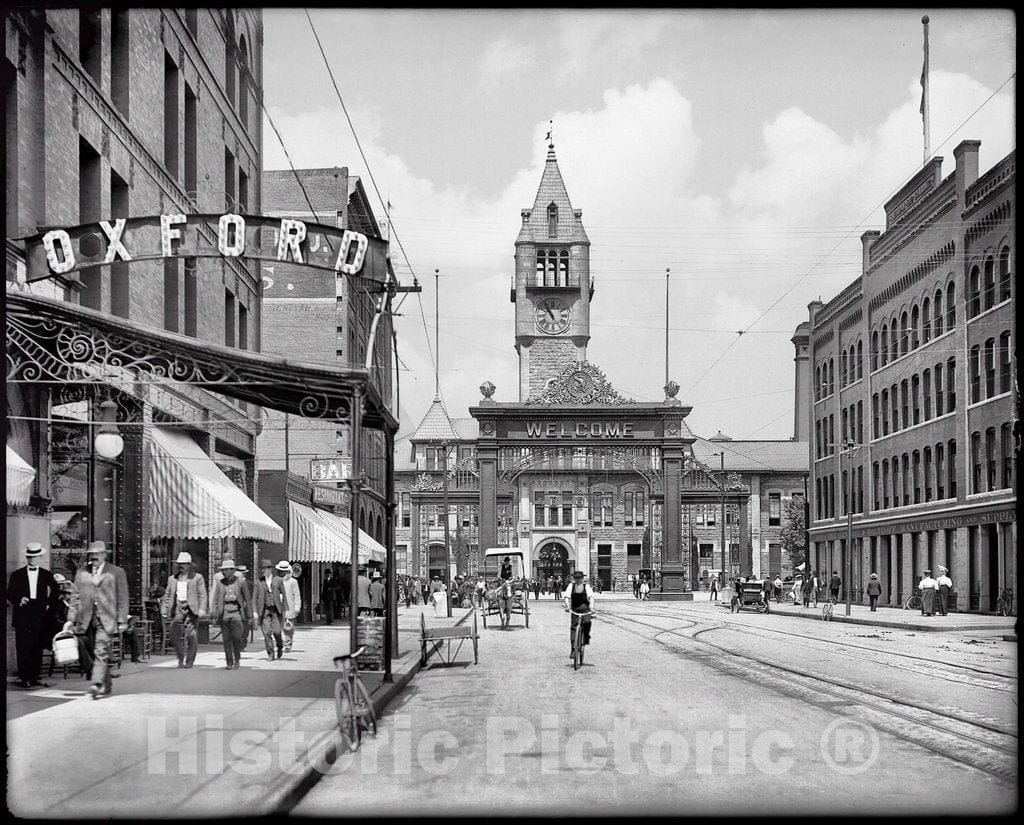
{"x": 113, "y": 113}
{"x": 914, "y": 364}
{"x": 573, "y": 474}
{"x": 315, "y": 316}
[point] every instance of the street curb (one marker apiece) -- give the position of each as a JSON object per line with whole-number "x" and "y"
{"x": 284, "y": 800}
{"x": 923, "y": 627}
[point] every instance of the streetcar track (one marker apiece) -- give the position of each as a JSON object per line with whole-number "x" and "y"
{"x": 964, "y": 746}
{"x": 846, "y": 645}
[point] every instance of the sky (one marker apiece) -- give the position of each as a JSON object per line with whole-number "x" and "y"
{"x": 744, "y": 150}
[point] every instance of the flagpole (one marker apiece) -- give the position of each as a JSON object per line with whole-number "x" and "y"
{"x": 924, "y": 94}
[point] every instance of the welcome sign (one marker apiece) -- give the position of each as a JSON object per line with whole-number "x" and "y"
{"x": 60, "y": 251}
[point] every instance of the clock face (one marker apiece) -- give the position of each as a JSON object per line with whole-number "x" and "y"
{"x": 553, "y": 316}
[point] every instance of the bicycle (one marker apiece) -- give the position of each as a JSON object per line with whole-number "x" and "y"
{"x": 577, "y": 643}
{"x": 1004, "y": 605}
{"x": 914, "y": 602}
{"x": 352, "y": 701}
{"x": 827, "y": 608}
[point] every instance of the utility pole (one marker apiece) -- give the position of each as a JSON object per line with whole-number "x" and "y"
{"x": 447, "y": 541}
{"x": 726, "y": 553}
{"x": 848, "y": 502}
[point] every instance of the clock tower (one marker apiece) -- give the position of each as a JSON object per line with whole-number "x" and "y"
{"x": 551, "y": 288}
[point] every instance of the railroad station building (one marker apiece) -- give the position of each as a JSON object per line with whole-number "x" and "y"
{"x": 914, "y": 365}
{"x": 571, "y": 472}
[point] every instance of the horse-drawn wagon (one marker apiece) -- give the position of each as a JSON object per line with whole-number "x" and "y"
{"x": 506, "y": 592}
{"x": 751, "y": 594}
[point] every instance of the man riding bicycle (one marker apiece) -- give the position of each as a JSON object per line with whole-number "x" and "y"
{"x": 579, "y": 597}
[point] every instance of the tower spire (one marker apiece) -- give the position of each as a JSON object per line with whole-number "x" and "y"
{"x": 549, "y": 138}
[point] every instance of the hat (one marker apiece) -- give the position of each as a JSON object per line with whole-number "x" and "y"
{"x": 227, "y": 564}
{"x": 579, "y": 574}
{"x": 874, "y": 575}
{"x": 242, "y": 568}
{"x": 33, "y": 550}
{"x": 283, "y": 566}
{"x": 376, "y": 574}
{"x": 927, "y": 572}
{"x": 97, "y": 547}
{"x": 943, "y": 569}
{"x": 60, "y": 578}
{"x": 266, "y": 563}
{"x": 183, "y": 558}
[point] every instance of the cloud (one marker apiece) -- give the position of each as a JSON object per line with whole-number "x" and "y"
{"x": 779, "y": 232}
{"x": 504, "y": 58}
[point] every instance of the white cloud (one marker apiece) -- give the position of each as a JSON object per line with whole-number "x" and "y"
{"x": 504, "y": 58}
{"x": 785, "y": 229}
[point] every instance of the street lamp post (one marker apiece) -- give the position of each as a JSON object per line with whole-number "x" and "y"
{"x": 447, "y": 541}
{"x": 848, "y": 502}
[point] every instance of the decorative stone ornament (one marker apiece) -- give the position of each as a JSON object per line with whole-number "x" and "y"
{"x": 671, "y": 389}
{"x": 580, "y": 383}
{"x": 487, "y": 389}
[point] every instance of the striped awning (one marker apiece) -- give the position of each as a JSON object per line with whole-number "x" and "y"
{"x": 20, "y": 476}
{"x": 316, "y": 535}
{"x": 191, "y": 498}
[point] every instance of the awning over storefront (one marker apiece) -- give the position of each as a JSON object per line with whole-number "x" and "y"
{"x": 316, "y": 535}
{"x": 191, "y": 497}
{"x": 20, "y": 476}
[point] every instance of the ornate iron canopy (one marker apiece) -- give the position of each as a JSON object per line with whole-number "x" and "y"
{"x": 55, "y": 341}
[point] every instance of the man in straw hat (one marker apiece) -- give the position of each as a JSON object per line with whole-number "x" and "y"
{"x": 293, "y": 602}
{"x": 230, "y": 603}
{"x": 874, "y": 590}
{"x": 268, "y": 608}
{"x": 100, "y": 611}
{"x": 185, "y": 602}
{"x": 34, "y": 596}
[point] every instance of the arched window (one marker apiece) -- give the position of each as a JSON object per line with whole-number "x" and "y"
{"x": 974, "y": 293}
{"x": 860, "y": 422}
{"x": 951, "y": 385}
{"x": 937, "y": 309}
{"x": 842, "y": 369}
{"x": 990, "y": 282}
{"x": 817, "y": 383}
{"x": 974, "y": 365}
{"x": 894, "y": 338}
{"x": 875, "y": 432}
{"x": 990, "y": 367}
{"x": 885, "y": 345}
{"x": 1004, "y": 362}
{"x": 1004, "y": 274}
{"x": 243, "y": 83}
{"x": 229, "y": 57}
{"x": 940, "y": 399}
{"x": 563, "y": 268}
{"x": 926, "y": 321}
{"x": 885, "y": 412}
{"x": 904, "y": 334}
{"x": 951, "y": 306}
{"x": 874, "y": 350}
{"x": 552, "y": 220}
{"x": 831, "y": 376}
{"x": 860, "y": 359}
{"x": 926, "y": 393}
{"x": 927, "y": 473}
{"x": 915, "y": 328}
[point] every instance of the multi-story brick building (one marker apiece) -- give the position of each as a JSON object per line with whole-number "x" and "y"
{"x": 914, "y": 365}
{"x": 316, "y": 316}
{"x": 572, "y": 473}
{"x": 117, "y": 113}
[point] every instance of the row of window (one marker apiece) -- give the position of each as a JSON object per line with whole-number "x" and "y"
{"x": 914, "y": 329}
{"x": 852, "y": 423}
{"x": 466, "y": 516}
{"x": 984, "y": 294}
{"x": 992, "y": 470}
{"x": 983, "y": 364}
{"x": 913, "y": 400}
{"x": 825, "y": 494}
{"x": 553, "y": 268}
{"x": 915, "y": 477}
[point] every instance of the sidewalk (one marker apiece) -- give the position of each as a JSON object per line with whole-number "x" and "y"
{"x": 195, "y": 742}
{"x": 896, "y": 617}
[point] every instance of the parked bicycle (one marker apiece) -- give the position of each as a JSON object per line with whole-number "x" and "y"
{"x": 352, "y": 701}
{"x": 914, "y": 602}
{"x": 1004, "y": 605}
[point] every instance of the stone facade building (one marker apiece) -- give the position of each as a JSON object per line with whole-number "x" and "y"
{"x": 914, "y": 366}
{"x": 573, "y": 474}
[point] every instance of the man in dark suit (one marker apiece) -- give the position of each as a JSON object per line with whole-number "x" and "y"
{"x": 34, "y": 596}
{"x": 268, "y": 608}
{"x": 101, "y": 610}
